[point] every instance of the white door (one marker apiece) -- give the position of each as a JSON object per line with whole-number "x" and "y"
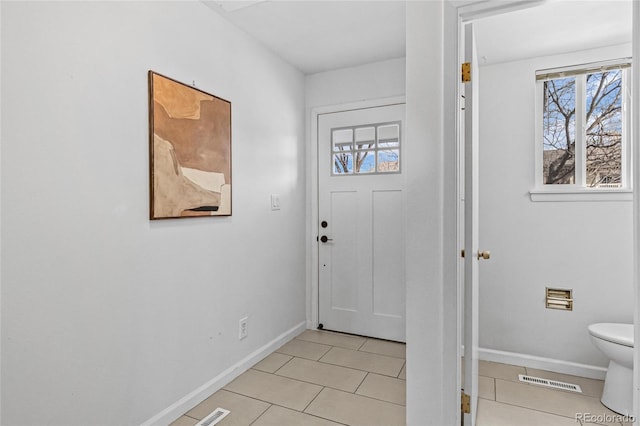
{"x": 472, "y": 253}
{"x": 361, "y": 222}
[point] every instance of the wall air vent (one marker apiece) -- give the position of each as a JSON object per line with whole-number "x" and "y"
{"x": 213, "y": 418}
{"x": 550, "y": 383}
{"x": 558, "y": 298}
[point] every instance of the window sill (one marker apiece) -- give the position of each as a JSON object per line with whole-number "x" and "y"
{"x": 574, "y": 194}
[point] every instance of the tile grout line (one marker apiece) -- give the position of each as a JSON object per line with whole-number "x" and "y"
{"x": 261, "y": 414}
{"x": 391, "y": 358}
{"x": 296, "y": 411}
{"x": 328, "y": 350}
{"x": 371, "y": 353}
{"x": 313, "y": 399}
{"x": 401, "y": 368}
{"x": 323, "y": 418}
{"x": 334, "y": 365}
{"x": 298, "y": 356}
{"x": 539, "y": 411}
{"x": 321, "y": 389}
{"x": 341, "y": 390}
{"x": 495, "y": 389}
{"x": 333, "y": 387}
{"x": 333, "y": 346}
{"x": 282, "y": 366}
{"x": 266, "y": 402}
{"x": 373, "y": 399}
{"x": 313, "y": 383}
{"x": 380, "y": 400}
{"x": 315, "y": 415}
{"x": 366, "y": 339}
{"x": 358, "y": 349}
{"x": 363, "y": 379}
{"x": 366, "y": 371}
{"x": 378, "y": 353}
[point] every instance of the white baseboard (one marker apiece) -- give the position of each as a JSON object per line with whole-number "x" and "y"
{"x": 186, "y": 403}
{"x": 541, "y": 363}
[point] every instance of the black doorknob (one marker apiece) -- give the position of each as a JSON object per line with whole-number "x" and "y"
{"x": 324, "y": 239}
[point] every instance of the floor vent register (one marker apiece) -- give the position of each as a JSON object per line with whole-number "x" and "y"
{"x": 550, "y": 383}
{"x": 213, "y": 418}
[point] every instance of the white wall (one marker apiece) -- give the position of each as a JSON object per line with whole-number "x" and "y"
{"x": 371, "y": 81}
{"x": 432, "y": 381}
{"x": 108, "y": 318}
{"x": 586, "y": 246}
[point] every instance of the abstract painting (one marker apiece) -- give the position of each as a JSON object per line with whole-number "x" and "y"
{"x": 190, "y": 151}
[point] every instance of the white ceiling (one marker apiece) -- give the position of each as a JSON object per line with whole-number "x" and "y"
{"x": 558, "y": 26}
{"x": 317, "y": 36}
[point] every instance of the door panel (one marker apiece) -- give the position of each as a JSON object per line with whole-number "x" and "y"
{"x": 343, "y": 295}
{"x": 361, "y": 197}
{"x": 388, "y": 242}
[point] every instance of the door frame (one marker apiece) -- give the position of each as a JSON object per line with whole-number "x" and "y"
{"x": 313, "y": 286}
{"x": 469, "y": 10}
{"x": 466, "y": 11}
{"x": 635, "y": 143}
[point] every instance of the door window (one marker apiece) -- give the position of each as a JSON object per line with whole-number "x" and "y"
{"x": 367, "y": 149}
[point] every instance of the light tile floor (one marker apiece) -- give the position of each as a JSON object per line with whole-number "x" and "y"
{"x": 319, "y": 378}
{"x": 322, "y": 378}
{"x": 505, "y": 401}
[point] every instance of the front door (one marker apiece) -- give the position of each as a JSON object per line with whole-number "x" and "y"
{"x": 361, "y": 222}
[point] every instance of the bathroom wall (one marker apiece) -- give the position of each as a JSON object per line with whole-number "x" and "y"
{"x": 108, "y": 318}
{"x": 585, "y": 246}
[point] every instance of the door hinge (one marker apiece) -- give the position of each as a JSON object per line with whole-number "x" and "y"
{"x": 466, "y": 72}
{"x": 465, "y": 403}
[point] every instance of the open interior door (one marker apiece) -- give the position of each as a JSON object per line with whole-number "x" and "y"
{"x": 472, "y": 254}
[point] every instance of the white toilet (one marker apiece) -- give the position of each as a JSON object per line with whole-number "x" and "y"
{"x": 616, "y": 342}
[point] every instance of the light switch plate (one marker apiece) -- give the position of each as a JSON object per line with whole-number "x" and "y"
{"x": 275, "y": 202}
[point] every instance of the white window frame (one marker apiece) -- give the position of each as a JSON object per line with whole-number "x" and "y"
{"x": 353, "y": 151}
{"x": 578, "y": 191}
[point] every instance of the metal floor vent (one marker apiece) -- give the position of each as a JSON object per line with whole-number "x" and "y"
{"x": 550, "y": 383}
{"x": 213, "y": 418}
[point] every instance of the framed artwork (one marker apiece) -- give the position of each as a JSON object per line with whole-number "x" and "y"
{"x": 189, "y": 151}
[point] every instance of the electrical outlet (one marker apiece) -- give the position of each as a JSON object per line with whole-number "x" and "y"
{"x": 243, "y": 329}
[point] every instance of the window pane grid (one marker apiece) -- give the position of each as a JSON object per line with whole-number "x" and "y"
{"x": 559, "y": 131}
{"x": 604, "y": 129}
{"x": 367, "y": 149}
{"x": 583, "y": 129}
